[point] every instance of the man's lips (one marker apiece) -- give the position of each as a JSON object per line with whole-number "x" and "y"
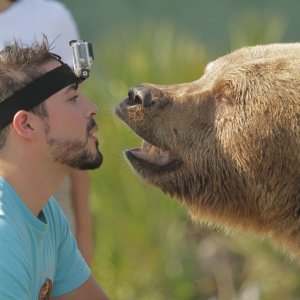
{"x": 93, "y": 130}
{"x": 92, "y": 126}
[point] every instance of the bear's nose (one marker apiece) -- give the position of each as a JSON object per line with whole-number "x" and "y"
{"x": 139, "y": 95}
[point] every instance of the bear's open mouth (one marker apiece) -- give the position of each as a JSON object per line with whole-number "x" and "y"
{"x": 153, "y": 158}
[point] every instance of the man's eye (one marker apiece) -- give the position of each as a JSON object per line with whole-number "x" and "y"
{"x": 74, "y": 98}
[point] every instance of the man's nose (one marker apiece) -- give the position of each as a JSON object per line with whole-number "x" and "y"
{"x": 90, "y": 108}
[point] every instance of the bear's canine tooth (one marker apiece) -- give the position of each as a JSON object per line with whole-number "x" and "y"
{"x": 153, "y": 150}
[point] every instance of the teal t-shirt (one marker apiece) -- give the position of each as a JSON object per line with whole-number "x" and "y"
{"x": 38, "y": 255}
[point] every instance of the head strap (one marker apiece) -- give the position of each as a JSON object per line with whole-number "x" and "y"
{"x": 36, "y": 92}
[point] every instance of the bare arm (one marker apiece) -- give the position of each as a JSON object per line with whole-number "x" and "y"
{"x": 89, "y": 290}
{"x": 80, "y": 199}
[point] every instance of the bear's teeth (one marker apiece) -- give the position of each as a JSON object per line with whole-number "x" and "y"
{"x": 153, "y": 150}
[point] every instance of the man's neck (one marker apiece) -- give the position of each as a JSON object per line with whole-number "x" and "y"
{"x": 33, "y": 185}
{"x": 5, "y": 4}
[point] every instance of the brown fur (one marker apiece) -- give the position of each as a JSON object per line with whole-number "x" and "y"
{"x": 236, "y": 134}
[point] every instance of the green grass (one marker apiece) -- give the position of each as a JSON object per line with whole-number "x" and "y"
{"x": 145, "y": 245}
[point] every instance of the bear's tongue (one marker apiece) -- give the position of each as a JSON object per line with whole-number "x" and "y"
{"x": 152, "y": 154}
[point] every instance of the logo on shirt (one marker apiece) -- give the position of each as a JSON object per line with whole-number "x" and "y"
{"x": 45, "y": 290}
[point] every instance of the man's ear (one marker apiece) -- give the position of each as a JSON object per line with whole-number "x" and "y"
{"x": 23, "y": 124}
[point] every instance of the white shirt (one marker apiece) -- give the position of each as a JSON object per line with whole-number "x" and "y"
{"x": 28, "y": 20}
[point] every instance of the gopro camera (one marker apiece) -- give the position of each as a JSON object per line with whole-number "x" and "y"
{"x": 82, "y": 57}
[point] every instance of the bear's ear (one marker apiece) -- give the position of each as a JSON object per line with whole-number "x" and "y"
{"x": 224, "y": 92}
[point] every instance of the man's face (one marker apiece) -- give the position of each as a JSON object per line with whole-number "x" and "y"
{"x": 69, "y": 128}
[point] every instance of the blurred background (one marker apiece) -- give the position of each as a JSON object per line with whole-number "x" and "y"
{"x": 146, "y": 247}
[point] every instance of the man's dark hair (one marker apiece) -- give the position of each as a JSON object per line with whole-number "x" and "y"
{"x": 19, "y": 65}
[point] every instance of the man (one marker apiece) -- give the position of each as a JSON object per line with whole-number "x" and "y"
{"x": 28, "y": 20}
{"x": 47, "y": 129}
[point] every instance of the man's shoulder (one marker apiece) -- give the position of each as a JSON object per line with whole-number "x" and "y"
{"x": 7, "y": 227}
{"x": 49, "y": 5}
{"x": 15, "y": 265}
{"x": 11, "y": 240}
{"x": 11, "y": 221}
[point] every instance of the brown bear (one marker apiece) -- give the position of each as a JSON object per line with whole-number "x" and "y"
{"x": 228, "y": 144}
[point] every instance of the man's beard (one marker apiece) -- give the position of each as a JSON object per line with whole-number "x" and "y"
{"x": 74, "y": 153}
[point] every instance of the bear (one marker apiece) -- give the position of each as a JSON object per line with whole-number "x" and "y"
{"x": 227, "y": 145}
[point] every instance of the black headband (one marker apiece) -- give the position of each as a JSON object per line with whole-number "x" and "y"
{"x": 36, "y": 92}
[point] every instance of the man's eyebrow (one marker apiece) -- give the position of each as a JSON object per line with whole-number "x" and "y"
{"x": 73, "y": 86}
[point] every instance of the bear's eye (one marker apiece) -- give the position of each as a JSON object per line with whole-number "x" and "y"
{"x": 224, "y": 92}
{"x": 225, "y": 100}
